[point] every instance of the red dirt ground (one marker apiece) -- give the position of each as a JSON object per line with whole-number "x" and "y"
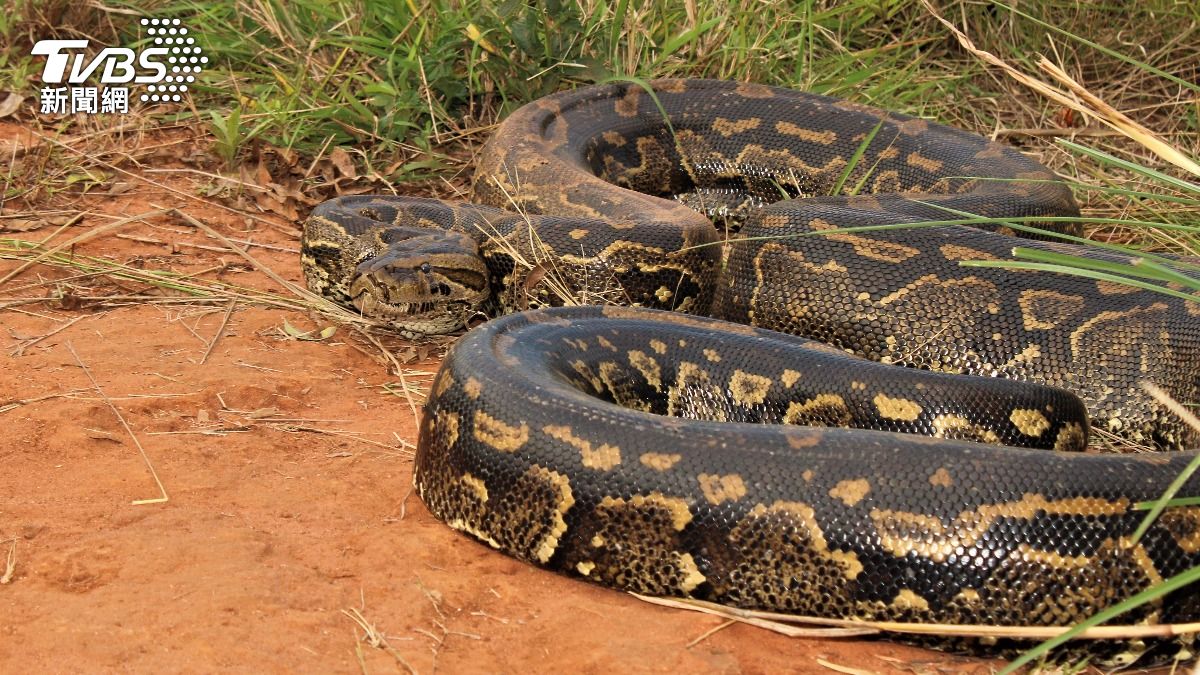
{"x": 288, "y": 470}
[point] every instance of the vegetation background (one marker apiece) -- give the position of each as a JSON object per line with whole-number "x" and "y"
{"x": 403, "y": 91}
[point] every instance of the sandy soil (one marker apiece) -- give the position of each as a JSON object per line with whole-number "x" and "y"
{"x": 288, "y": 527}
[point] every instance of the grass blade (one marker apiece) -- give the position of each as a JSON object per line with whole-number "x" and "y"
{"x": 1151, "y": 594}
{"x": 1104, "y": 157}
{"x": 855, "y": 159}
{"x": 1105, "y": 50}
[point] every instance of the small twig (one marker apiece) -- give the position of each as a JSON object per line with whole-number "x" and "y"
{"x": 1055, "y": 132}
{"x": 270, "y": 247}
{"x": 846, "y": 670}
{"x": 12, "y": 405}
{"x": 10, "y": 565}
{"x": 353, "y": 435}
{"x": 1171, "y": 404}
{"x": 854, "y": 627}
{"x": 705, "y": 635}
{"x": 302, "y": 293}
{"x": 19, "y": 350}
{"x": 412, "y": 405}
{"x": 220, "y": 330}
{"x": 428, "y": 99}
{"x": 373, "y": 637}
{"x": 761, "y": 619}
{"x": 404, "y": 501}
{"x": 204, "y": 247}
{"x": 146, "y": 458}
{"x": 255, "y": 367}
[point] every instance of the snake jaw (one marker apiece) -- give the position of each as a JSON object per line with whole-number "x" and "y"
{"x": 429, "y": 284}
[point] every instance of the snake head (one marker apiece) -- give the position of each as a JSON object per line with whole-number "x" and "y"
{"x": 426, "y": 281}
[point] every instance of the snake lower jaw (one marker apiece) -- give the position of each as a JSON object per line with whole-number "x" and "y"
{"x": 423, "y": 315}
{"x": 418, "y": 319}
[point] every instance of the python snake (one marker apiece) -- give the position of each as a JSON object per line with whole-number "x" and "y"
{"x": 627, "y": 445}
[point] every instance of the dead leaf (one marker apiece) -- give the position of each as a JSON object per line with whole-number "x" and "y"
{"x": 344, "y": 163}
{"x": 64, "y": 300}
{"x": 30, "y": 224}
{"x": 309, "y": 335}
{"x": 283, "y": 207}
{"x": 358, "y": 190}
{"x": 290, "y": 157}
{"x": 262, "y": 175}
{"x": 10, "y": 104}
{"x": 22, "y": 224}
{"x": 291, "y": 188}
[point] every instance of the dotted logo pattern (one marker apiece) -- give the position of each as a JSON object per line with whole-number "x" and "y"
{"x": 186, "y": 59}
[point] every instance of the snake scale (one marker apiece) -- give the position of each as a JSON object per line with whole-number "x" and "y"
{"x": 699, "y": 452}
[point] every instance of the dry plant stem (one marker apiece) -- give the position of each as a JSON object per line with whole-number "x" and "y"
{"x": 1053, "y": 132}
{"x": 202, "y": 247}
{"x": 62, "y": 280}
{"x": 1171, "y": 404}
{"x": 10, "y": 564}
{"x": 308, "y": 296}
{"x": 220, "y": 330}
{"x": 302, "y": 293}
{"x": 711, "y": 631}
{"x": 1190, "y": 419}
{"x": 373, "y": 637}
{"x": 1121, "y": 122}
{"x": 19, "y": 350}
{"x": 776, "y": 622}
{"x": 12, "y": 405}
{"x": 157, "y": 185}
{"x": 1078, "y": 99}
{"x": 352, "y": 435}
{"x": 90, "y": 234}
{"x": 760, "y": 620}
{"x": 843, "y": 669}
{"x": 146, "y": 458}
{"x": 404, "y": 386}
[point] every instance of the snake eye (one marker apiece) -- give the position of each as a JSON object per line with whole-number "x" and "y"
{"x": 425, "y": 268}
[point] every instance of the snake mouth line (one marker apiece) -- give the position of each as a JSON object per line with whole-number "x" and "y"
{"x": 371, "y": 305}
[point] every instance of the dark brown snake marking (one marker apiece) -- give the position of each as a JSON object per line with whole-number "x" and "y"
{"x": 618, "y": 444}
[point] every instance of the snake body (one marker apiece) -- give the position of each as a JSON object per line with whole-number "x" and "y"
{"x": 628, "y": 445}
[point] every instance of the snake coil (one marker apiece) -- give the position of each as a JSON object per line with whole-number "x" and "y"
{"x": 627, "y": 445}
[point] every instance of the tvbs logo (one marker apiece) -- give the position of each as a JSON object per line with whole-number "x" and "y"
{"x": 168, "y": 63}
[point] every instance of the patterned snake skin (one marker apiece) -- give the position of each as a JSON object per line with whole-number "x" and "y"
{"x": 628, "y": 445}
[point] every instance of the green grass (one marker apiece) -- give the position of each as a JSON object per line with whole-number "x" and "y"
{"x": 406, "y": 80}
{"x": 413, "y": 85}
